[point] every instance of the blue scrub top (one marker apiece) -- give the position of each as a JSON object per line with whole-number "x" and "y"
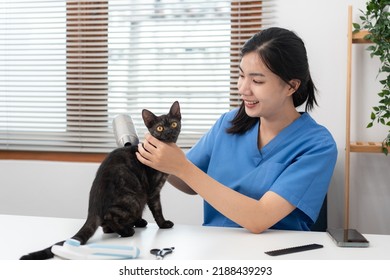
{"x": 297, "y": 165}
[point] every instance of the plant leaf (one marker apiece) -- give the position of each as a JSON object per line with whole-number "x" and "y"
{"x": 356, "y": 26}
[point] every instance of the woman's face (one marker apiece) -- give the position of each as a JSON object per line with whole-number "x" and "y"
{"x": 264, "y": 93}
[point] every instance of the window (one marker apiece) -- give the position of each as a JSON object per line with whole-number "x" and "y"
{"x": 67, "y": 68}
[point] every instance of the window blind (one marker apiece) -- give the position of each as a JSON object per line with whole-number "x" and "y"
{"x": 67, "y": 68}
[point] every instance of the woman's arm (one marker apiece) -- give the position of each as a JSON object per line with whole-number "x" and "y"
{"x": 254, "y": 215}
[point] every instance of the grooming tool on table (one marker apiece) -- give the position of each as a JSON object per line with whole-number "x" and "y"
{"x": 161, "y": 253}
{"x": 294, "y": 249}
{"x": 72, "y": 250}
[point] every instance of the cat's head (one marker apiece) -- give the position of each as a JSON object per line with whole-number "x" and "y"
{"x": 166, "y": 127}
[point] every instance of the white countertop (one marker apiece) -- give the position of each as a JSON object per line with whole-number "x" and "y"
{"x": 24, "y": 234}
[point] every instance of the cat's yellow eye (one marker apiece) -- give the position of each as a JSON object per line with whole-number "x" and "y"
{"x": 160, "y": 128}
{"x": 174, "y": 124}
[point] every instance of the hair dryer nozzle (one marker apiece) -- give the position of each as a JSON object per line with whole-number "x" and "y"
{"x": 124, "y": 131}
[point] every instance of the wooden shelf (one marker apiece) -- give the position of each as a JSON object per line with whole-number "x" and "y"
{"x": 366, "y": 147}
{"x": 358, "y": 146}
{"x": 358, "y": 37}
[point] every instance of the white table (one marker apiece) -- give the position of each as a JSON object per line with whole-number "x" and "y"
{"x": 23, "y": 234}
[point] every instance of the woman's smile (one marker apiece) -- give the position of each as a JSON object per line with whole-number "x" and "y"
{"x": 251, "y": 104}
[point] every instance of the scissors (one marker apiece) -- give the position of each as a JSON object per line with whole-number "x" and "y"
{"x": 161, "y": 253}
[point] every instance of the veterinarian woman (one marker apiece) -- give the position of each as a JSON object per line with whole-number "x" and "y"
{"x": 262, "y": 165}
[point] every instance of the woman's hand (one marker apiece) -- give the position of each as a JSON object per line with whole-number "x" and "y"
{"x": 165, "y": 157}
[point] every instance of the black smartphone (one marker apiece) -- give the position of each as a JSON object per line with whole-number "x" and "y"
{"x": 348, "y": 238}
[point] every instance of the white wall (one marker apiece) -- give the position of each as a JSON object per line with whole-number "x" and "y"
{"x": 61, "y": 189}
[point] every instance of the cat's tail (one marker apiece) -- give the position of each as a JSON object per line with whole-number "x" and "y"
{"x": 88, "y": 229}
{"x": 42, "y": 254}
{"x": 83, "y": 235}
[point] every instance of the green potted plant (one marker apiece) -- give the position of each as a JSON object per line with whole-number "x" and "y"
{"x": 376, "y": 20}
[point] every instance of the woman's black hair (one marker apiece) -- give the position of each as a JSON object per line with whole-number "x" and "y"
{"x": 284, "y": 54}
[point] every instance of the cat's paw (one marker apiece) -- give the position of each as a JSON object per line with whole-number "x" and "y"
{"x": 141, "y": 223}
{"x": 166, "y": 224}
{"x": 107, "y": 229}
{"x": 127, "y": 232}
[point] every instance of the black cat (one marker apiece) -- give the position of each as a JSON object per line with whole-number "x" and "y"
{"x": 123, "y": 186}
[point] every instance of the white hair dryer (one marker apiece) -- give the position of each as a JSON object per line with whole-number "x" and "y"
{"x": 124, "y": 131}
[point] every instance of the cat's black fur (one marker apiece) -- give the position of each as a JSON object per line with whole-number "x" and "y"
{"x": 123, "y": 186}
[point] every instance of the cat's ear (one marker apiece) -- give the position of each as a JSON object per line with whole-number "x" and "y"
{"x": 175, "y": 110}
{"x": 148, "y": 117}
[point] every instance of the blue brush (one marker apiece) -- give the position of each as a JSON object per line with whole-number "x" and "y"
{"x": 72, "y": 250}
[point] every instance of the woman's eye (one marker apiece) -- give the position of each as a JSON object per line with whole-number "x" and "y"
{"x": 258, "y": 82}
{"x": 174, "y": 124}
{"x": 160, "y": 128}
